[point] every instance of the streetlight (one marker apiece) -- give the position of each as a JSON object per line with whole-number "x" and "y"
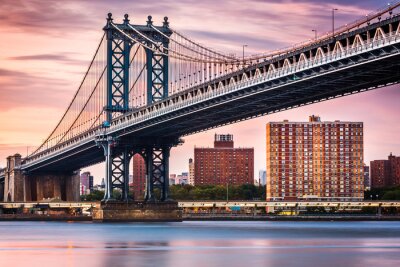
{"x": 333, "y": 21}
{"x": 243, "y": 52}
{"x": 315, "y": 31}
{"x": 227, "y": 192}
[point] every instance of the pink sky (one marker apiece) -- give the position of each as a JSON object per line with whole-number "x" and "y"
{"x": 47, "y": 45}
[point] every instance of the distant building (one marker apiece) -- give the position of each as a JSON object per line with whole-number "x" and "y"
{"x": 181, "y": 179}
{"x": 191, "y": 172}
{"x": 86, "y": 183}
{"x": 315, "y": 160}
{"x": 138, "y": 183}
{"x": 367, "y": 182}
{"x": 172, "y": 179}
{"x": 103, "y": 183}
{"x": 385, "y": 173}
{"x": 262, "y": 177}
{"x": 223, "y": 163}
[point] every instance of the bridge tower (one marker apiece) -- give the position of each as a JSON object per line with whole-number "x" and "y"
{"x": 118, "y": 153}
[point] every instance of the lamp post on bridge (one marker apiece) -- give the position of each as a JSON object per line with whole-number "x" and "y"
{"x": 245, "y": 45}
{"x": 333, "y": 21}
{"x": 315, "y": 34}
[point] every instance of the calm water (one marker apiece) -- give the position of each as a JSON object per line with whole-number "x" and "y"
{"x": 193, "y": 244}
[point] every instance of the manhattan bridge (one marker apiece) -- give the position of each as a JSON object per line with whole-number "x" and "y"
{"x": 149, "y": 85}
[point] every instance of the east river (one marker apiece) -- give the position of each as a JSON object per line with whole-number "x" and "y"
{"x": 195, "y": 244}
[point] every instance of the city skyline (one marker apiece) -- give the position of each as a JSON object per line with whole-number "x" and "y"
{"x": 59, "y": 58}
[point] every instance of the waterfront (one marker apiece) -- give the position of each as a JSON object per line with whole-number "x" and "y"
{"x": 200, "y": 244}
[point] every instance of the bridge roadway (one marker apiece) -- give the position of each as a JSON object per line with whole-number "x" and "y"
{"x": 220, "y": 204}
{"x": 362, "y": 59}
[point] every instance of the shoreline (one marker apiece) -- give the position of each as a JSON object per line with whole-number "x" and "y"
{"x": 84, "y": 218}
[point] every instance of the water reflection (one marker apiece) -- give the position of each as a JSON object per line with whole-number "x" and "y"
{"x": 193, "y": 244}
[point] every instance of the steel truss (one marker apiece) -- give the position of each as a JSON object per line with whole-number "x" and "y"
{"x": 118, "y": 156}
{"x": 157, "y": 170}
{"x": 118, "y": 50}
{"x": 119, "y": 44}
{"x": 157, "y": 76}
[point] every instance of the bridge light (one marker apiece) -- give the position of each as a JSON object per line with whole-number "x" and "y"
{"x": 106, "y": 124}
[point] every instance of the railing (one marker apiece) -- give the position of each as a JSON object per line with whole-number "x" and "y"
{"x": 165, "y": 106}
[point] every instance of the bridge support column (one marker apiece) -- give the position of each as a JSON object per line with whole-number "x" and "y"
{"x": 117, "y": 168}
{"x": 157, "y": 169}
{"x": 157, "y": 205}
{"x": 15, "y": 180}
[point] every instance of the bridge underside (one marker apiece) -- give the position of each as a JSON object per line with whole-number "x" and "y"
{"x": 285, "y": 93}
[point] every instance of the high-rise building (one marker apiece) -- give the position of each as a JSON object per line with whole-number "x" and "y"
{"x": 367, "y": 180}
{"x": 223, "y": 163}
{"x": 262, "y": 177}
{"x": 86, "y": 183}
{"x": 191, "y": 171}
{"x": 315, "y": 160}
{"x": 385, "y": 173}
{"x": 138, "y": 177}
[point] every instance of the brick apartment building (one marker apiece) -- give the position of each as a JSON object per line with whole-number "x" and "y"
{"x": 139, "y": 177}
{"x": 223, "y": 163}
{"x": 315, "y": 160}
{"x": 385, "y": 173}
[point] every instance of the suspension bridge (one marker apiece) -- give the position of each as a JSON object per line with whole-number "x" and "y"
{"x": 149, "y": 85}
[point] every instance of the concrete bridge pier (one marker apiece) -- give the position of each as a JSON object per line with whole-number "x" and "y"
{"x": 53, "y": 185}
{"x": 22, "y": 186}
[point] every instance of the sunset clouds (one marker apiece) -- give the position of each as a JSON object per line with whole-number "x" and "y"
{"x": 46, "y": 47}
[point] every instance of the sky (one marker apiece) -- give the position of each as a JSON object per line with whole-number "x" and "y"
{"x": 46, "y": 47}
